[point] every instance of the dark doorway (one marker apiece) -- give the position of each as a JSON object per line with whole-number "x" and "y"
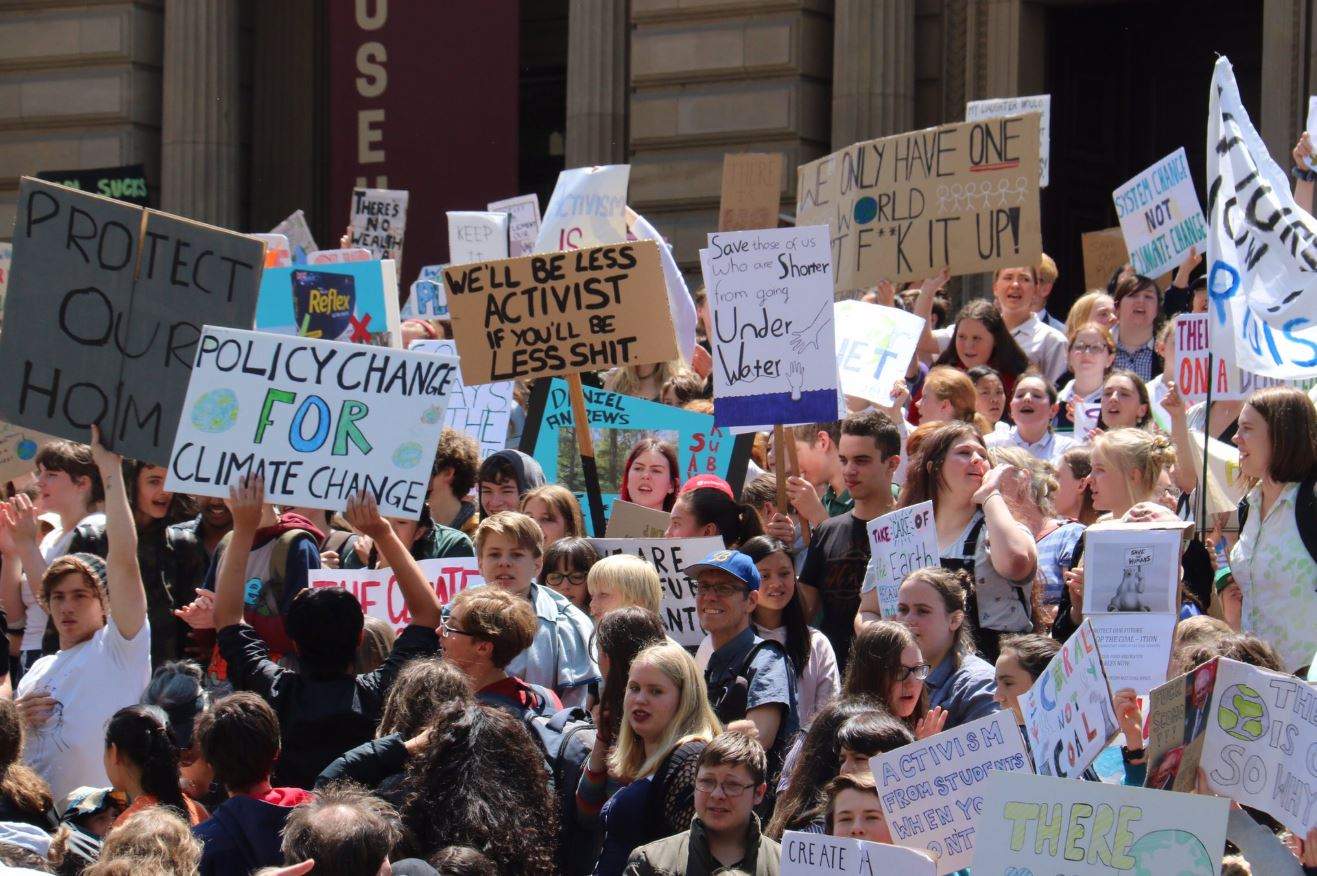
{"x": 543, "y": 112}
{"x": 1129, "y": 85}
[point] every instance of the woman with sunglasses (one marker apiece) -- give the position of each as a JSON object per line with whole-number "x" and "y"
{"x": 567, "y": 564}
{"x": 887, "y": 664}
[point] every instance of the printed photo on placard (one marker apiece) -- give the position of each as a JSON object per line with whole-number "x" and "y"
{"x": 347, "y": 301}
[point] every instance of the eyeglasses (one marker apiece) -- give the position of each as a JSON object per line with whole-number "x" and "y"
{"x": 450, "y": 631}
{"x": 1090, "y": 348}
{"x": 707, "y": 785}
{"x": 555, "y": 579}
{"x": 920, "y": 672}
{"x": 698, "y": 589}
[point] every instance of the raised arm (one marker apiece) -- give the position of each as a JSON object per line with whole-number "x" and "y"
{"x": 127, "y": 595}
{"x": 928, "y": 348}
{"x": 1303, "y": 188}
{"x": 419, "y": 595}
{"x": 1186, "y": 473}
{"x": 1014, "y": 554}
{"x": 245, "y": 501}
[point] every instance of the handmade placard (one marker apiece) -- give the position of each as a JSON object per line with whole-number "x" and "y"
{"x": 816, "y": 854}
{"x": 899, "y": 543}
{"x": 298, "y": 232}
{"x": 669, "y": 556}
{"x": 378, "y": 592}
{"x": 587, "y": 208}
{"x": 874, "y": 346}
{"x": 751, "y": 191}
{"x": 474, "y": 236}
{"x": 103, "y": 313}
{"x": 560, "y": 313}
{"x": 379, "y": 222}
{"x": 346, "y": 301}
{"x": 1200, "y": 364}
{"x": 961, "y": 196}
{"x": 1001, "y": 107}
{"x": 1068, "y": 713}
{"x": 1160, "y": 216}
{"x": 320, "y": 420}
{"x": 629, "y": 520}
{"x": 125, "y": 183}
{"x": 774, "y": 349}
{"x": 427, "y": 299}
{"x": 18, "y": 452}
{"x": 523, "y": 222}
{"x": 480, "y": 411}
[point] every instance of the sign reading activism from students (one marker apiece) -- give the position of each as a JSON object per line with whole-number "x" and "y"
{"x": 479, "y": 411}
{"x": 1068, "y": 713}
{"x": 320, "y": 420}
{"x": 774, "y": 352}
{"x": 1160, "y": 216}
{"x": 379, "y": 222}
{"x": 751, "y": 191}
{"x": 560, "y": 313}
{"x": 874, "y": 346}
{"x": 347, "y": 301}
{"x": 899, "y": 543}
{"x": 380, "y": 596}
{"x": 523, "y": 222}
{"x": 1200, "y": 364}
{"x": 816, "y": 854}
{"x": 126, "y": 183}
{"x": 669, "y": 556}
{"x": 1001, "y": 107}
{"x": 587, "y": 208}
{"x": 963, "y": 197}
{"x": 103, "y": 313}
{"x": 474, "y": 236}
{"x": 1041, "y": 825}
{"x": 931, "y": 790}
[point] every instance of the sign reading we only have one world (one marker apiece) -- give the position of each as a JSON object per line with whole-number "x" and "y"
{"x": 962, "y": 197}
{"x": 561, "y": 312}
{"x": 104, "y": 308}
{"x": 319, "y": 420}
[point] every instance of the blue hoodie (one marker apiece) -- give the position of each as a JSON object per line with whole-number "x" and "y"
{"x": 243, "y": 833}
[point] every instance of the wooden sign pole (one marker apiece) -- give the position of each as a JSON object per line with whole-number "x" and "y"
{"x": 780, "y": 466}
{"x": 585, "y": 444}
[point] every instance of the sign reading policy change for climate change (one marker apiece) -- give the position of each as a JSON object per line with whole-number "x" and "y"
{"x": 319, "y": 420}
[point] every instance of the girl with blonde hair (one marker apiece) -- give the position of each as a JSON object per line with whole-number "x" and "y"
{"x": 1096, "y": 306}
{"x": 948, "y": 395}
{"x": 622, "y": 580}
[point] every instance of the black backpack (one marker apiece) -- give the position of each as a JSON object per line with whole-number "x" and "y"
{"x": 1305, "y": 514}
{"x": 730, "y": 698}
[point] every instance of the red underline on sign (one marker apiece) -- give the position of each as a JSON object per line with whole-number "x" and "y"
{"x": 989, "y": 167}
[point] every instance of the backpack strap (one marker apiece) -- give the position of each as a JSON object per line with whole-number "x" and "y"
{"x": 273, "y": 591}
{"x": 972, "y": 542}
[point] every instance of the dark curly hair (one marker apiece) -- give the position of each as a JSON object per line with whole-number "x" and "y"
{"x": 423, "y": 687}
{"x": 481, "y": 782}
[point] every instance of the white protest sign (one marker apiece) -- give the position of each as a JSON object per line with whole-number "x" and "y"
{"x": 480, "y": 411}
{"x": 523, "y": 222}
{"x": 476, "y": 237}
{"x": 1136, "y": 648}
{"x": 815, "y": 854}
{"x": 428, "y": 299}
{"x": 1192, "y": 348}
{"x": 774, "y": 350}
{"x": 379, "y": 221}
{"x": 320, "y": 420}
{"x": 588, "y": 208}
{"x": 1159, "y": 215}
{"x": 1086, "y": 420}
{"x": 669, "y": 556}
{"x": 1035, "y": 824}
{"x": 899, "y": 543}
{"x": 874, "y": 346}
{"x": 931, "y": 791}
{"x": 1001, "y": 107}
{"x": 299, "y": 236}
{"x": 338, "y": 256}
{"x": 1261, "y": 268}
{"x": 684, "y": 317}
{"x": 380, "y": 596}
{"x": 1068, "y": 713}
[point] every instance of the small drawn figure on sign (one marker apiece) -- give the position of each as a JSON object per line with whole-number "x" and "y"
{"x": 803, "y": 339}
{"x": 796, "y": 378}
{"x": 1129, "y": 595}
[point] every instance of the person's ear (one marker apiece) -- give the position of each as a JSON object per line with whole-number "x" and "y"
{"x": 539, "y": 564}
{"x": 892, "y": 462}
{"x": 957, "y": 619}
{"x": 709, "y": 529}
{"x": 484, "y": 648}
{"x": 760, "y": 792}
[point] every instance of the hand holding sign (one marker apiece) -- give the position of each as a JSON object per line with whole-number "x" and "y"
{"x": 364, "y": 516}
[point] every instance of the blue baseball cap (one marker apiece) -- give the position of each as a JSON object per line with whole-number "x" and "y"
{"x": 734, "y": 563}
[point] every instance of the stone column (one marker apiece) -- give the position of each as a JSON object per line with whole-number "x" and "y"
{"x": 873, "y": 69}
{"x": 200, "y": 153}
{"x": 596, "y": 82}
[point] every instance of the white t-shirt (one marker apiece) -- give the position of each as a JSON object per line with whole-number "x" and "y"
{"x": 90, "y": 682}
{"x": 54, "y": 544}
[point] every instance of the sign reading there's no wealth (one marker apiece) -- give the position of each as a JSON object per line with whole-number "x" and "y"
{"x": 961, "y": 196}
{"x": 560, "y": 312}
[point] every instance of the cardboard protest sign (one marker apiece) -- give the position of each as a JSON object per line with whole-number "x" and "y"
{"x": 587, "y": 208}
{"x": 320, "y": 420}
{"x": 899, "y": 543}
{"x": 1036, "y": 824}
{"x": 476, "y": 237}
{"x": 479, "y": 411}
{"x": 378, "y": 592}
{"x": 1000, "y": 107}
{"x": 931, "y": 790}
{"x": 1068, "y": 713}
{"x": 523, "y": 222}
{"x": 18, "y": 451}
{"x": 874, "y": 346}
{"x": 338, "y": 256}
{"x": 300, "y": 240}
{"x": 1160, "y": 216}
{"x": 347, "y": 301}
{"x": 103, "y": 313}
{"x": 560, "y": 313}
{"x": 774, "y": 350}
{"x": 629, "y": 520}
{"x": 816, "y": 854}
{"x": 1193, "y": 371}
{"x": 669, "y": 556}
{"x": 751, "y": 191}
{"x": 379, "y": 222}
{"x": 126, "y": 183}
{"x": 617, "y": 423}
{"x": 962, "y": 196}
{"x": 427, "y": 299}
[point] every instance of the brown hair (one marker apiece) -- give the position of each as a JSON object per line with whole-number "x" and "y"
{"x": 514, "y": 525}
{"x": 923, "y": 474}
{"x": 74, "y": 460}
{"x": 1292, "y": 427}
{"x": 953, "y": 385}
{"x": 1079, "y": 460}
{"x": 1132, "y": 283}
{"x": 862, "y": 782}
{"x": 731, "y": 748}
{"x": 1007, "y": 356}
{"x": 1140, "y": 389}
{"x": 344, "y": 828}
{"x": 459, "y": 452}
{"x": 154, "y": 836}
{"x": 875, "y": 659}
{"x": 422, "y": 688}
{"x": 669, "y": 454}
{"x": 561, "y": 500}
{"x": 1032, "y": 651}
{"x": 506, "y": 621}
{"x": 73, "y": 564}
{"x": 19, "y": 784}
{"x": 954, "y": 588}
{"x": 809, "y": 433}
{"x": 239, "y": 738}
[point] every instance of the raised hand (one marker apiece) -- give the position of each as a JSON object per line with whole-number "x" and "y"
{"x": 364, "y": 515}
{"x": 199, "y": 614}
{"x": 107, "y": 461}
{"x": 246, "y": 500}
{"x": 932, "y": 723}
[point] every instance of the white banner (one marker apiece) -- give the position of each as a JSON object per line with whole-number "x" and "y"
{"x": 816, "y": 854}
{"x": 588, "y": 208}
{"x": 1001, "y": 107}
{"x": 380, "y": 596}
{"x": 523, "y": 222}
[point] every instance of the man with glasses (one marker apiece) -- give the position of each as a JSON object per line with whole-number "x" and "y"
{"x": 484, "y": 630}
{"x": 749, "y": 677}
{"x": 724, "y": 836}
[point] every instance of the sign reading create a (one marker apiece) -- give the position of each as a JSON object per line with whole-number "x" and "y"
{"x": 963, "y": 197}
{"x": 103, "y": 313}
{"x": 127, "y": 183}
{"x": 560, "y": 312}
{"x": 380, "y": 596}
{"x": 1160, "y": 216}
{"x": 319, "y": 420}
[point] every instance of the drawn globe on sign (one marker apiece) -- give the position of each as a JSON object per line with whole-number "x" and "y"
{"x": 27, "y": 448}
{"x": 215, "y": 412}
{"x": 1170, "y": 853}
{"x": 408, "y": 455}
{"x": 432, "y": 415}
{"x": 1242, "y": 713}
